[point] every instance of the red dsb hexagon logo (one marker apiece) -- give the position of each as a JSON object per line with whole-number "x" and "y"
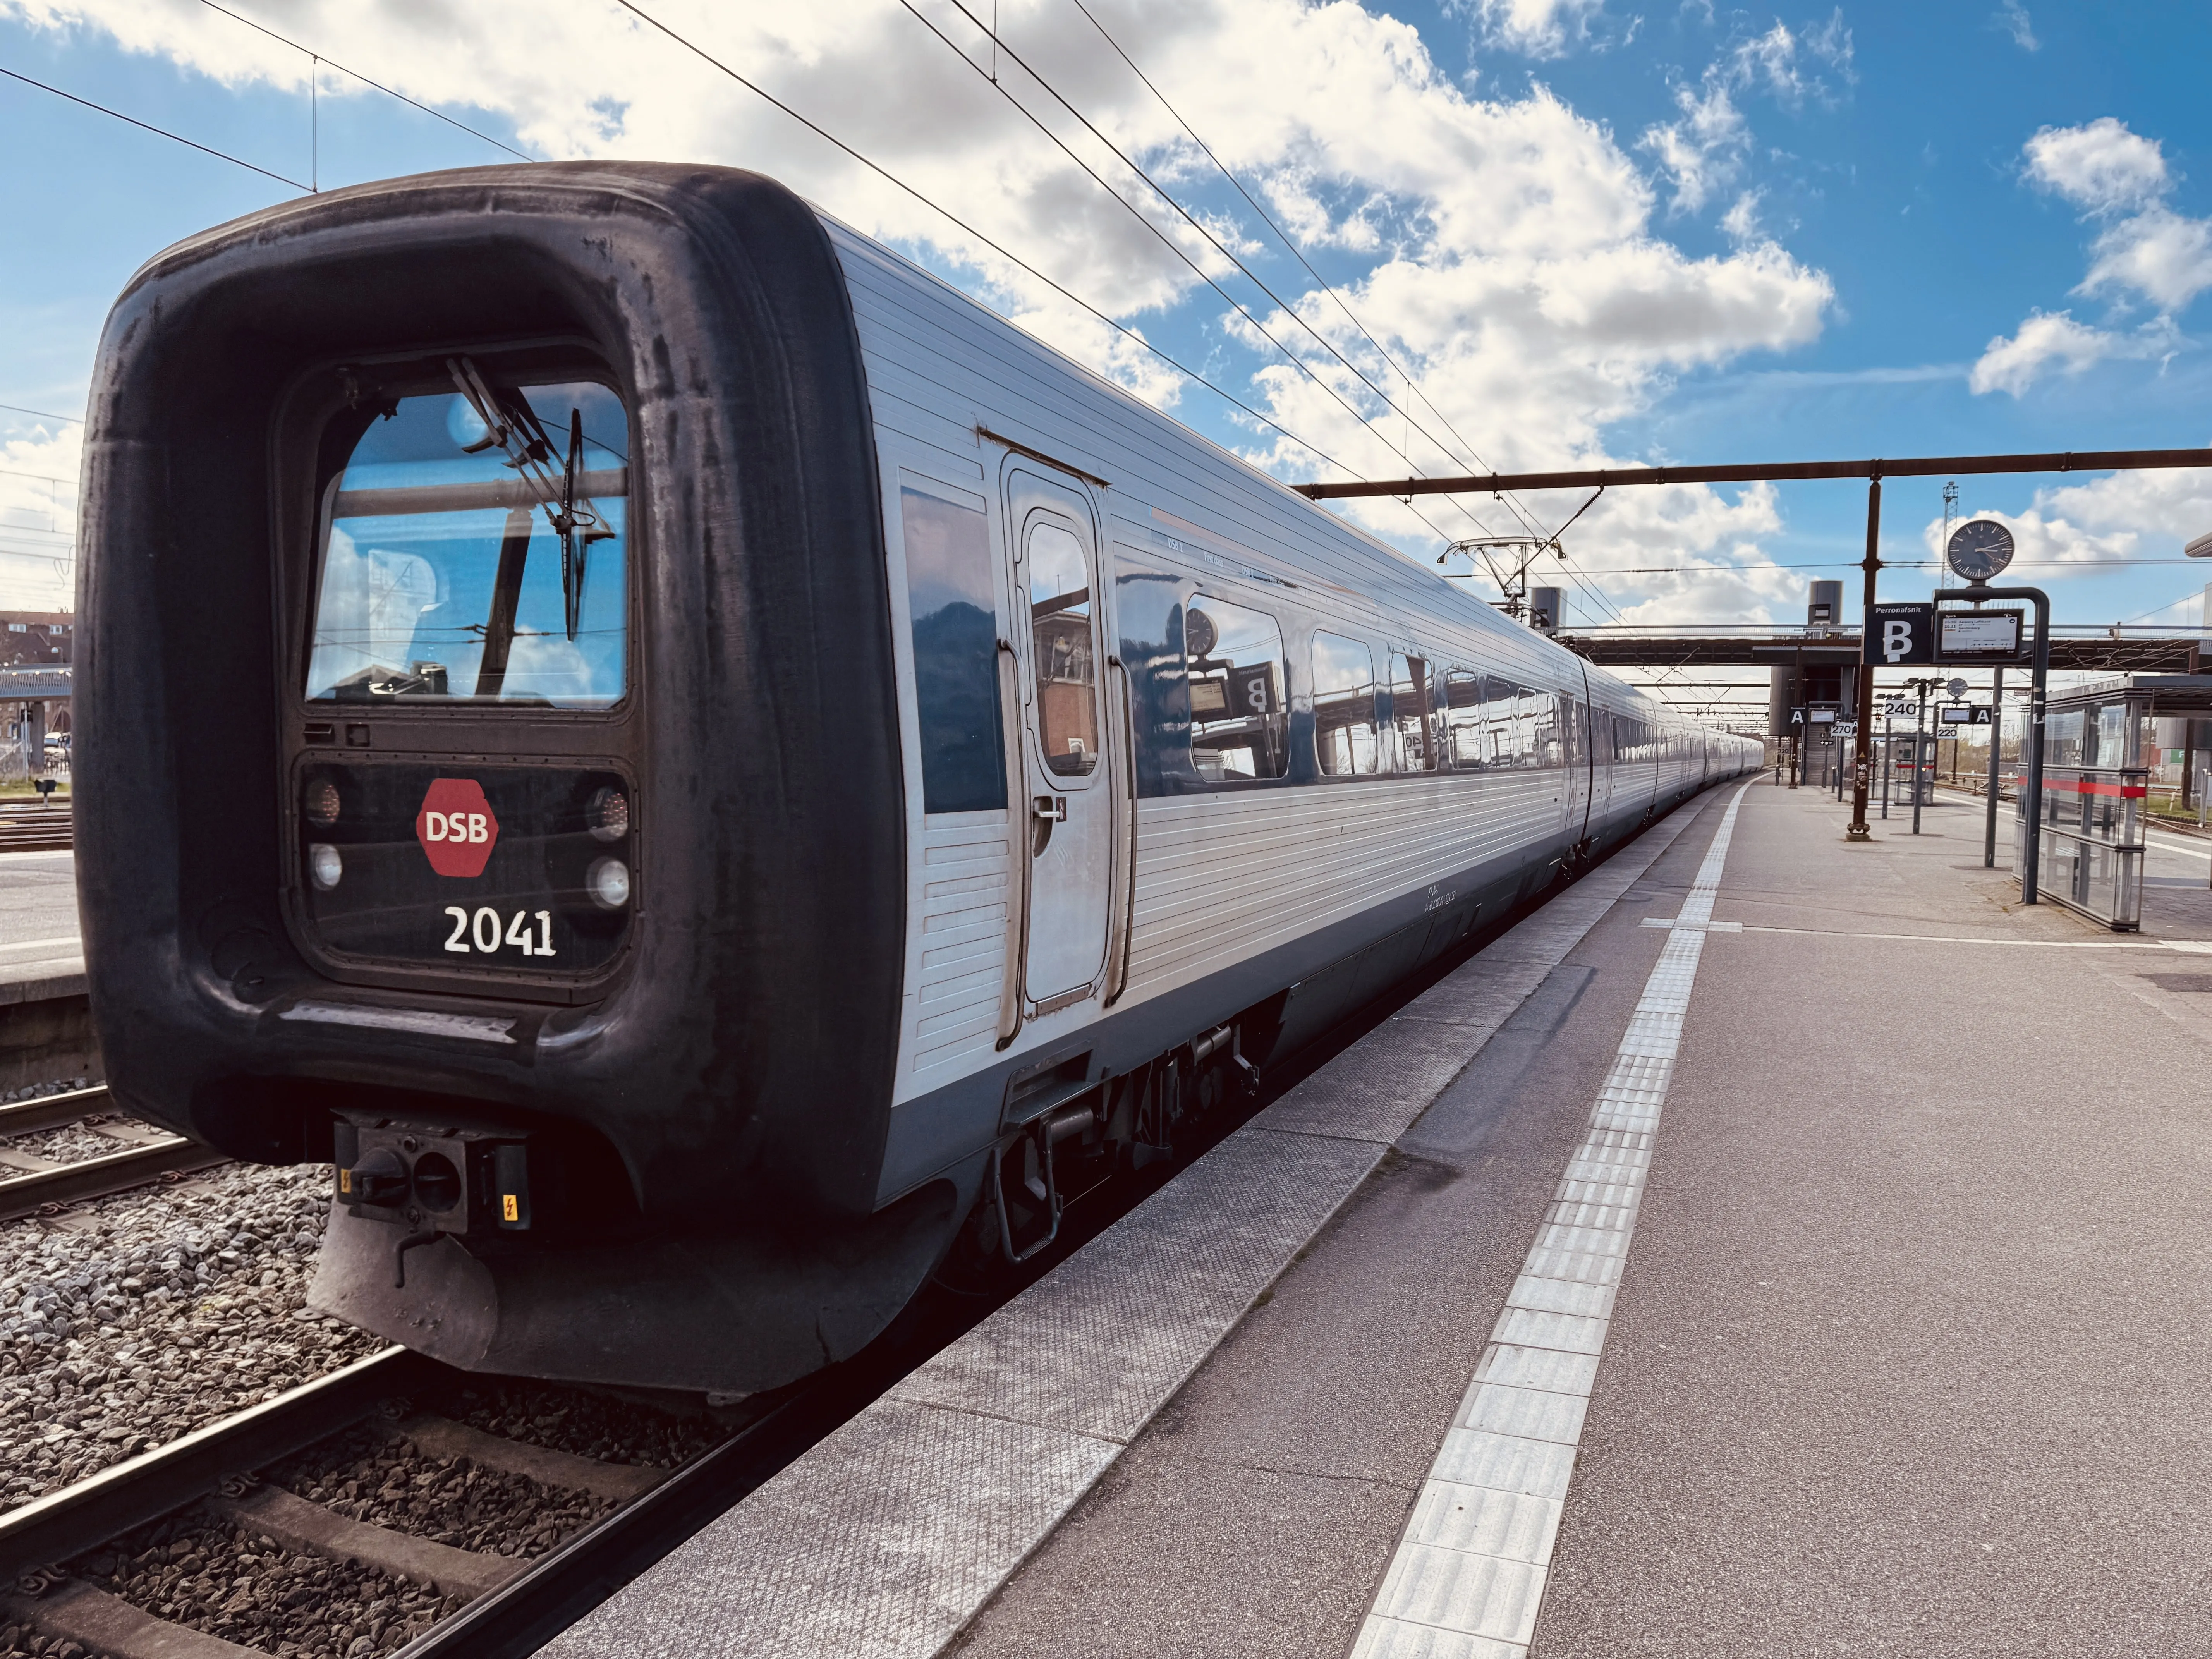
{"x": 456, "y": 827}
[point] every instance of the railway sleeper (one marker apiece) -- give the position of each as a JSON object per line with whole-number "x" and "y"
{"x": 70, "y": 1609}
{"x": 440, "y": 1437}
{"x": 297, "y": 1524}
{"x": 82, "y": 1613}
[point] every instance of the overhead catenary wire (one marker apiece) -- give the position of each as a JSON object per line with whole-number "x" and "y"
{"x": 175, "y": 138}
{"x": 319, "y": 58}
{"x": 1299, "y": 253}
{"x": 953, "y": 219}
{"x": 1129, "y": 207}
{"x": 1293, "y": 358}
{"x": 40, "y": 414}
{"x": 1167, "y": 196}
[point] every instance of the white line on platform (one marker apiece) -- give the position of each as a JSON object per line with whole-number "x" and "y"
{"x": 1469, "y": 1575}
{"x": 888, "y": 1537}
{"x": 2194, "y": 946}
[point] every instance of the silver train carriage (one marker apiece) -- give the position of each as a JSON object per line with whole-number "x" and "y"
{"x": 709, "y": 775}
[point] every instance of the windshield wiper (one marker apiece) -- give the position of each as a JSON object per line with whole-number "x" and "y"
{"x": 577, "y": 526}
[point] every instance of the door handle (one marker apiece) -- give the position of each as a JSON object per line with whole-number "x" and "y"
{"x": 1049, "y": 808}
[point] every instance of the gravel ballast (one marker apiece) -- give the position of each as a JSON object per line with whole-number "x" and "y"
{"x": 214, "y": 1574}
{"x": 155, "y": 1312}
{"x": 367, "y": 1476}
{"x": 70, "y": 1143}
{"x": 589, "y": 1425}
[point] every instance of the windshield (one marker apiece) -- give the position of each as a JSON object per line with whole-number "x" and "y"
{"x": 474, "y": 550}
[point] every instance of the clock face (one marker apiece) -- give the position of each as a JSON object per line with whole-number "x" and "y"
{"x": 1979, "y": 548}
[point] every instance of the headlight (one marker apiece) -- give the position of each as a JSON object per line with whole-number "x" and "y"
{"x": 607, "y": 815}
{"x": 324, "y": 866}
{"x": 608, "y": 883}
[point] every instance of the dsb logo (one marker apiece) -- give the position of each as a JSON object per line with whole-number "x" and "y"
{"x": 456, "y": 827}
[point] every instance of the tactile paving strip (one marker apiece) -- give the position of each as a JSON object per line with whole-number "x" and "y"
{"x": 1469, "y": 1576}
{"x": 887, "y": 1538}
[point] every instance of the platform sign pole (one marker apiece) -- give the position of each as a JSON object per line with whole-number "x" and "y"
{"x": 1863, "y": 746}
{"x": 1997, "y": 746}
{"x": 1919, "y": 751}
{"x": 2038, "y": 687}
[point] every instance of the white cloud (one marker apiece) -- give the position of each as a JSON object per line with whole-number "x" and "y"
{"x": 1781, "y": 61}
{"x": 1535, "y": 28}
{"x": 2121, "y": 515}
{"x": 2100, "y": 167}
{"x": 38, "y": 519}
{"x": 1510, "y": 260}
{"x": 2054, "y": 339}
{"x": 1742, "y": 223}
{"x": 1704, "y": 152}
{"x": 2144, "y": 252}
{"x": 2163, "y": 256}
{"x": 2012, "y": 17}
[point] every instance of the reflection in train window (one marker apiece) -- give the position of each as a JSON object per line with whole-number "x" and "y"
{"x": 1564, "y": 746}
{"x": 465, "y": 562}
{"x": 1059, "y": 581}
{"x": 1410, "y": 714}
{"x": 1344, "y": 705}
{"x": 1463, "y": 719}
{"x": 953, "y": 615}
{"x": 1509, "y": 724}
{"x": 1234, "y": 657}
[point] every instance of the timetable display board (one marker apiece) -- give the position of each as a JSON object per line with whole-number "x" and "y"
{"x": 1986, "y": 636}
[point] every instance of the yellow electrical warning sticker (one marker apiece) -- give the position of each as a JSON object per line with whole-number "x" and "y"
{"x": 345, "y": 1181}
{"x": 508, "y": 1209}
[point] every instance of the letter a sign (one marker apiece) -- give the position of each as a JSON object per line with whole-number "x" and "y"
{"x": 1899, "y": 633}
{"x": 456, "y": 827}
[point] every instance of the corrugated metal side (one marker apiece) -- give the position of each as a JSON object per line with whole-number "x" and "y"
{"x": 938, "y": 365}
{"x": 1221, "y": 878}
{"x": 960, "y": 955}
{"x": 1218, "y": 877}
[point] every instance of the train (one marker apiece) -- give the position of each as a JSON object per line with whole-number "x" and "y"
{"x": 713, "y": 779}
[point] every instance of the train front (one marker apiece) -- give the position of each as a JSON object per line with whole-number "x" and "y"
{"x": 488, "y": 772}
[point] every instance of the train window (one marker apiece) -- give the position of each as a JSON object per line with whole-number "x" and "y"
{"x": 1559, "y": 733}
{"x": 1234, "y": 657}
{"x": 1464, "y": 720}
{"x": 1410, "y": 714}
{"x": 1059, "y": 579}
{"x": 1344, "y": 705}
{"x": 474, "y": 549}
{"x": 953, "y": 615}
{"x": 1508, "y": 723}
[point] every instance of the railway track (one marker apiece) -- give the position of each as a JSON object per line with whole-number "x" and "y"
{"x": 66, "y": 1553}
{"x": 38, "y": 829}
{"x": 70, "y": 1553}
{"x": 31, "y": 1184}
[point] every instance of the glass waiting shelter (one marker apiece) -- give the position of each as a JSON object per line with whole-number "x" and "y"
{"x": 2113, "y": 751}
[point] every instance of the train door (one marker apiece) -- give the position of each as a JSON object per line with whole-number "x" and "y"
{"x": 1069, "y": 797}
{"x": 1574, "y": 756}
{"x": 1600, "y": 770}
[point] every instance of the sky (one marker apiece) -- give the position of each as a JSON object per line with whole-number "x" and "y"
{"x": 1427, "y": 237}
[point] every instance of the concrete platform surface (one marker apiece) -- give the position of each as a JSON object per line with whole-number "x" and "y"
{"x": 40, "y": 953}
{"x": 886, "y": 1538}
{"x": 1909, "y": 1356}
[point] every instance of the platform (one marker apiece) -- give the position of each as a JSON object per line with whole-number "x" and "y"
{"x": 1788, "y": 1246}
{"x": 41, "y": 954}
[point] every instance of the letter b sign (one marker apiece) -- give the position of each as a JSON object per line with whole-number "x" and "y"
{"x": 1898, "y": 633}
